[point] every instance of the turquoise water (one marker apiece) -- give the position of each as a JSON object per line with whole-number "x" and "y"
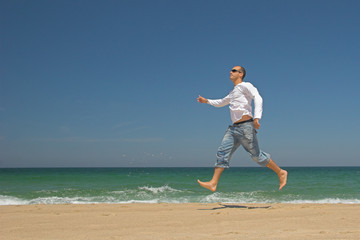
{"x": 177, "y": 185}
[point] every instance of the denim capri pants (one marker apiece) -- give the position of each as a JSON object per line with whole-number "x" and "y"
{"x": 240, "y": 134}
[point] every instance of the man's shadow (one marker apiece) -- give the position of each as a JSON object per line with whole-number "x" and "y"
{"x": 235, "y": 206}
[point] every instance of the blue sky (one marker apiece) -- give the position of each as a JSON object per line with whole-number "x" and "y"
{"x": 114, "y": 83}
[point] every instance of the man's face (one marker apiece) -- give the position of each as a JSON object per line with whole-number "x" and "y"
{"x": 235, "y": 73}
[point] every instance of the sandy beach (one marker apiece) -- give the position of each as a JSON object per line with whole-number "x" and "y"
{"x": 180, "y": 221}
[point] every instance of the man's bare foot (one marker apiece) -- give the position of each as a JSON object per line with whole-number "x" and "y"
{"x": 208, "y": 185}
{"x": 282, "y": 178}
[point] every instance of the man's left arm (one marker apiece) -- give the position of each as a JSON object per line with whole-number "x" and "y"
{"x": 258, "y": 105}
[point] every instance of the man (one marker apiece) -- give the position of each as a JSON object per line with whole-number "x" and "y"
{"x": 242, "y": 132}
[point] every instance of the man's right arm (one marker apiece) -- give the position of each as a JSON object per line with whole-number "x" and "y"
{"x": 215, "y": 102}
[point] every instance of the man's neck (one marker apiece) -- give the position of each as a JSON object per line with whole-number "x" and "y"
{"x": 237, "y": 81}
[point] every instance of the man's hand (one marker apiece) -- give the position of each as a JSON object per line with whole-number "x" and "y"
{"x": 200, "y": 99}
{"x": 256, "y": 123}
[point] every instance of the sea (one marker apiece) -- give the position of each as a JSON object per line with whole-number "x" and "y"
{"x": 27, "y": 186}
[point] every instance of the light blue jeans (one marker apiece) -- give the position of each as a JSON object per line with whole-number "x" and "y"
{"x": 241, "y": 134}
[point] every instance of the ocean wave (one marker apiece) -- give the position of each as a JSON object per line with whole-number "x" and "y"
{"x": 161, "y": 189}
{"x": 50, "y": 191}
{"x": 9, "y": 200}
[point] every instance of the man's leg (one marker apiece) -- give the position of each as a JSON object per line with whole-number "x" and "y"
{"x": 250, "y": 144}
{"x": 228, "y": 146}
{"x": 214, "y": 181}
{"x": 282, "y": 174}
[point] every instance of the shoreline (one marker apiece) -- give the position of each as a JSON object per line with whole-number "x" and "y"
{"x": 305, "y": 202}
{"x": 180, "y": 221}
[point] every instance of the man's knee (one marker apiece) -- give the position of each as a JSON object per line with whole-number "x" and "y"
{"x": 262, "y": 159}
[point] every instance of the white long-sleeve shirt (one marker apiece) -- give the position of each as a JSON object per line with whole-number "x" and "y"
{"x": 240, "y": 101}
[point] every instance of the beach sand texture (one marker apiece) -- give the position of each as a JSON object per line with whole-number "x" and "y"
{"x": 180, "y": 221}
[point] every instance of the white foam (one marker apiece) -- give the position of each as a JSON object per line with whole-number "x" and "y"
{"x": 8, "y": 200}
{"x": 161, "y": 189}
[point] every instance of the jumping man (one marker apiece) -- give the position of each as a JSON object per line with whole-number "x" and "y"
{"x": 242, "y": 132}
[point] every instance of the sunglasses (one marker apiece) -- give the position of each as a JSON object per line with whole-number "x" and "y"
{"x": 234, "y": 70}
